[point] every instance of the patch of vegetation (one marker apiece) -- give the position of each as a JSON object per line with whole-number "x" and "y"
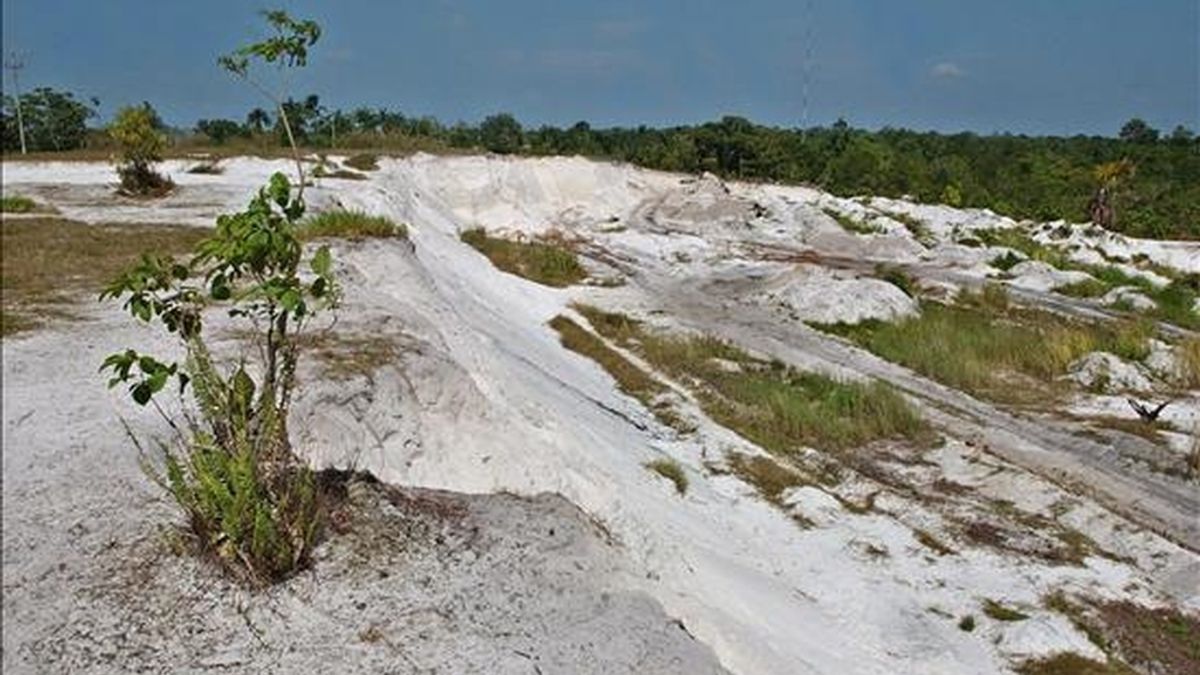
{"x": 1067, "y": 663}
{"x": 47, "y": 264}
{"x": 346, "y": 357}
{"x": 1187, "y": 354}
{"x": 981, "y": 343}
{"x": 776, "y": 407}
{"x": 999, "y": 612}
{"x": 770, "y": 478}
{"x": 352, "y": 225}
{"x": 1162, "y": 640}
{"x": 919, "y": 230}
{"x": 630, "y": 379}
{"x": 934, "y": 544}
{"x": 898, "y": 278}
{"x": 967, "y": 624}
{"x": 672, "y": 471}
{"x": 546, "y": 263}
{"x": 1018, "y": 240}
{"x": 17, "y": 204}
{"x": 850, "y": 223}
{"x": 1087, "y": 288}
{"x": 1007, "y": 261}
{"x": 340, "y": 174}
{"x": 363, "y": 162}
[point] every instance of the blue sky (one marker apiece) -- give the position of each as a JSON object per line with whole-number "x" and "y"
{"x": 1050, "y": 66}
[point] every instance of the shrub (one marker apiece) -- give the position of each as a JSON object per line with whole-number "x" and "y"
{"x": 249, "y": 502}
{"x": 135, "y": 129}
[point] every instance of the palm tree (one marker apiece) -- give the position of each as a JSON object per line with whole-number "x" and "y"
{"x": 258, "y": 119}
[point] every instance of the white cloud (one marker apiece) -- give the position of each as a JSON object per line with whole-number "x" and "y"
{"x": 947, "y": 70}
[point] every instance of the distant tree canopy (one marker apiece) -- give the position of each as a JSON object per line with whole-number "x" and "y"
{"x": 221, "y": 130}
{"x": 1151, "y": 180}
{"x": 54, "y": 120}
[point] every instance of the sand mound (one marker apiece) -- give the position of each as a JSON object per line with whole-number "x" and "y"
{"x": 820, "y": 295}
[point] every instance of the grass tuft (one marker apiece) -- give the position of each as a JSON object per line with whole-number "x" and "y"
{"x": 362, "y": 162}
{"x": 543, "y": 262}
{"x": 898, "y": 278}
{"x": 17, "y": 204}
{"x": 999, "y": 612}
{"x": 672, "y": 471}
{"x": 352, "y": 225}
{"x": 852, "y": 224}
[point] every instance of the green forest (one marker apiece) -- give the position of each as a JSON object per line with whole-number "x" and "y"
{"x": 1152, "y": 178}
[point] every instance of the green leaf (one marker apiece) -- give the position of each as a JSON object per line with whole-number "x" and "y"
{"x": 322, "y": 262}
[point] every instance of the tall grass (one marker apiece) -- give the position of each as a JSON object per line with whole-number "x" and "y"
{"x": 353, "y": 225}
{"x": 543, "y": 262}
{"x": 981, "y": 343}
{"x": 777, "y": 407}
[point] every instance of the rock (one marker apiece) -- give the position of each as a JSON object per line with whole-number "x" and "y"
{"x": 1131, "y": 296}
{"x": 1162, "y": 360}
{"x": 1039, "y": 276}
{"x": 821, "y": 295}
{"x": 1104, "y": 372}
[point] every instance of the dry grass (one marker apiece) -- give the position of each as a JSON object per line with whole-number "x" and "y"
{"x": 352, "y": 225}
{"x": 363, "y": 161}
{"x": 999, "y": 612}
{"x": 770, "y": 478}
{"x": 1066, "y": 663}
{"x": 1188, "y": 355}
{"x": 630, "y": 379}
{"x": 347, "y": 357}
{"x": 672, "y": 471}
{"x": 50, "y": 263}
{"x": 546, "y": 263}
{"x": 932, "y": 543}
{"x": 339, "y": 174}
{"x": 1162, "y": 640}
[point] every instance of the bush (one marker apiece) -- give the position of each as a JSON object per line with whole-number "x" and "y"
{"x": 672, "y": 471}
{"x": 135, "y": 129}
{"x": 249, "y": 502}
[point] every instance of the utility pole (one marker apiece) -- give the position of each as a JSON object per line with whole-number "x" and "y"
{"x": 14, "y": 63}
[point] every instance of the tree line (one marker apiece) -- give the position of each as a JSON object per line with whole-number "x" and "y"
{"x": 1150, "y": 180}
